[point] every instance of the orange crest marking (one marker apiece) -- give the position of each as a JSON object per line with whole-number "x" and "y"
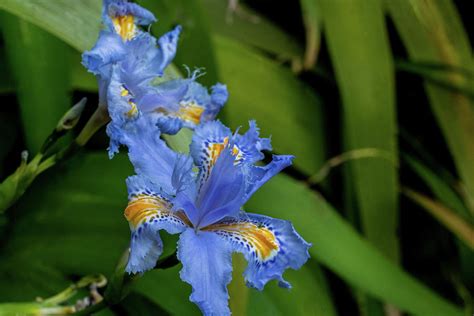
{"x": 261, "y": 239}
{"x": 125, "y": 26}
{"x": 191, "y": 112}
{"x": 147, "y": 207}
{"x": 143, "y": 206}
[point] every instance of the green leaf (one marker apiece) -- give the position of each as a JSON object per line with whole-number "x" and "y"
{"x": 6, "y": 81}
{"x": 75, "y": 22}
{"x": 438, "y": 186}
{"x": 22, "y": 281}
{"x": 249, "y": 28}
{"x": 312, "y": 24}
{"x": 40, "y": 65}
{"x": 283, "y": 106}
{"x": 365, "y": 77}
{"x": 63, "y": 218}
{"x": 338, "y": 246}
{"x": 309, "y": 294}
{"x": 456, "y": 224}
{"x": 432, "y": 32}
{"x": 449, "y": 197}
{"x": 165, "y": 288}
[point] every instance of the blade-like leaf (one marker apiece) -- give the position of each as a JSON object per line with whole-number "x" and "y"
{"x": 340, "y": 248}
{"x": 75, "y": 22}
{"x": 462, "y": 229}
{"x": 365, "y": 77}
{"x": 432, "y": 32}
{"x": 247, "y": 27}
{"x": 40, "y": 65}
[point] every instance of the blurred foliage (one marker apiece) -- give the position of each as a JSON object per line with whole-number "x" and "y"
{"x": 327, "y": 80}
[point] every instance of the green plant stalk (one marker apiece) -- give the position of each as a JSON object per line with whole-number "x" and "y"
{"x": 13, "y": 187}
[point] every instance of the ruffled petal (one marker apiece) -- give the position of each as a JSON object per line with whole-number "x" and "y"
{"x": 151, "y": 157}
{"x": 249, "y": 146}
{"x": 270, "y": 246}
{"x": 108, "y": 50}
{"x": 256, "y": 176}
{"x": 145, "y": 61}
{"x": 167, "y": 45}
{"x": 207, "y": 267}
{"x": 165, "y": 97}
{"x": 219, "y": 96}
{"x": 182, "y": 99}
{"x": 147, "y": 213}
{"x": 212, "y": 137}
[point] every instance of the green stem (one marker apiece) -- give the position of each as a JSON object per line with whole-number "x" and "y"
{"x": 97, "y": 120}
{"x": 92, "y": 309}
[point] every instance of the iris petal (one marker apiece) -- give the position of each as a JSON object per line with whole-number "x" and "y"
{"x": 223, "y": 192}
{"x": 207, "y": 266}
{"x": 147, "y": 213}
{"x": 108, "y": 50}
{"x": 256, "y": 176}
{"x": 270, "y": 246}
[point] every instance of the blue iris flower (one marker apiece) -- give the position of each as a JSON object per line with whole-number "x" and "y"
{"x": 205, "y": 208}
{"x": 133, "y": 58}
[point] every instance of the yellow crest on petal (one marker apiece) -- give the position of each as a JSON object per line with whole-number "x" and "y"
{"x": 125, "y": 26}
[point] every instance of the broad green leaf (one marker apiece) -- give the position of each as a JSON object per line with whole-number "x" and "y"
{"x": 62, "y": 220}
{"x": 432, "y": 32}
{"x": 40, "y": 67}
{"x": 137, "y": 305}
{"x": 75, "y": 22}
{"x": 283, "y": 106}
{"x": 309, "y": 294}
{"x": 81, "y": 79}
{"x": 338, "y": 246}
{"x": 22, "y": 281}
{"x": 359, "y": 49}
{"x": 6, "y": 82}
{"x": 165, "y": 288}
{"x": 249, "y": 28}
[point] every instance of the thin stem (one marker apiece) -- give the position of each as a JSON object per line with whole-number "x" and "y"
{"x": 97, "y": 120}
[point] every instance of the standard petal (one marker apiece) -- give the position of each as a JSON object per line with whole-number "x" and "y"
{"x": 256, "y": 176}
{"x": 212, "y": 137}
{"x": 207, "y": 267}
{"x": 222, "y": 194}
{"x": 249, "y": 145}
{"x": 167, "y": 45}
{"x": 270, "y": 246}
{"x": 148, "y": 213}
